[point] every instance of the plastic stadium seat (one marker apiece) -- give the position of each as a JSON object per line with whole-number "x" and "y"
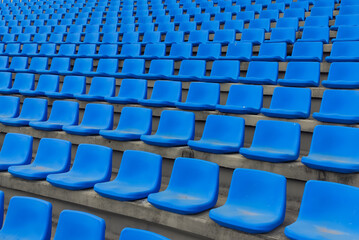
{"x": 307, "y": 51}
{"x": 180, "y": 51}
{"x": 53, "y": 156}
{"x": 289, "y": 103}
{"x": 219, "y": 75}
{"x": 295, "y": 12}
{"x": 139, "y": 175}
{"x": 129, "y": 50}
{"x": 254, "y": 36}
{"x": 208, "y": 51}
{"x": 243, "y": 99}
{"x": 261, "y": 73}
{"x": 272, "y": 15}
{"x": 27, "y": 218}
{"x": 58, "y": 65}
{"x": 261, "y": 24}
{"x": 197, "y": 37}
{"x": 224, "y": 36}
{"x": 347, "y": 33}
{"x": 333, "y": 149}
{"x": 344, "y": 52}
{"x": 133, "y": 123}
{"x": 92, "y": 164}
{"x": 272, "y": 52}
{"x": 132, "y": 68}
{"x": 9, "y": 106}
{"x": 339, "y": 106}
{"x": 201, "y": 96}
{"x": 257, "y": 8}
{"x": 342, "y": 75}
{"x": 246, "y": 16}
{"x": 96, "y": 117}
{"x": 174, "y": 129}
{"x": 238, "y": 51}
{"x": 264, "y": 3}
{"x": 164, "y": 93}
{"x": 46, "y": 83}
{"x": 314, "y": 219}
{"x": 133, "y": 234}
{"x": 33, "y": 109}
{"x": 256, "y": 202}
{"x": 287, "y": 23}
{"x": 47, "y": 49}
{"x": 315, "y": 34}
{"x": 348, "y": 2}
{"x": 274, "y": 141}
{"x": 16, "y": 150}
{"x": 63, "y": 113}
{"x": 193, "y": 187}
{"x": 223, "y": 17}
{"x": 79, "y": 225}
{"x": 301, "y": 74}
{"x": 222, "y": 134}
{"x": 316, "y": 21}
{"x": 322, "y": 11}
{"x": 300, "y": 4}
{"x": 100, "y": 88}
{"x": 174, "y": 37}
{"x": 287, "y": 35}
{"x": 154, "y": 50}
{"x": 159, "y": 69}
{"x": 236, "y": 25}
{"x": 345, "y": 20}
{"x": 280, "y": 6}
{"x": 131, "y": 91}
{"x": 190, "y": 70}
{"x": 71, "y": 85}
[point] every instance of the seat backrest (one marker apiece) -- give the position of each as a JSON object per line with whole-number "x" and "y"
{"x": 98, "y": 116}
{"x": 12, "y": 48}
{"x": 47, "y": 48}
{"x": 200, "y": 92}
{"x": 108, "y": 66}
{"x": 29, "y": 49}
{"x": 192, "y": 68}
{"x": 79, "y": 225}
{"x": 29, "y": 218}
{"x": 87, "y": 49}
{"x": 209, "y": 50}
{"x": 224, "y": 36}
{"x": 346, "y": 71}
{"x": 9, "y": 106}
{"x": 130, "y": 50}
{"x": 225, "y": 68}
{"x": 167, "y": 90}
{"x": 60, "y": 64}
{"x": 250, "y": 96}
{"x": 83, "y": 65}
{"x": 243, "y": 49}
{"x": 155, "y": 49}
{"x": 267, "y": 70}
{"x": 303, "y": 71}
{"x": 134, "y": 66}
{"x": 67, "y": 49}
{"x": 135, "y": 118}
{"x": 174, "y": 36}
{"x": 5, "y": 79}
{"x": 103, "y": 86}
{"x": 34, "y": 109}
{"x": 181, "y": 50}
{"x": 346, "y": 49}
{"x": 254, "y": 34}
{"x": 48, "y": 82}
{"x": 107, "y": 50}
{"x": 308, "y": 49}
{"x": 183, "y": 122}
{"x": 74, "y": 85}
{"x": 273, "y": 49}
{"x": 64, "y": 112}
{"x": 39, "y": 63}
{"x": 17, "y": 148}
{"x": 347, "y": 100}
{"x": 24, "y": 81}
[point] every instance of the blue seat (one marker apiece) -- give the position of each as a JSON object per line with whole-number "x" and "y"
{"x": 224, "y": 36}
{"x": 9, "y": 106}
{"x": 295, "y": 12}
{"x": 254, "y": 36}
{"x": 133, "y": 234}
{"x": 190, "y": 70}
{"x": 27, "y": 218}
{"x": 193, "y": 187}
{"x": 339, "y": 106}
{"x": 342, "y": 75}
{"x": 180, "y": 51}
{"x": 344, "y": 52}
{"x": 46, "y": 83}
{"x": 257, "y": 8}
{"x": 16, "y": 150}
{"x": 315, "y": 34}
{"x": 96, "y": 117}
{"x": 246, "y": 16}
{"x": 316, "y": 21}
{"x": 274, "y": 141}
{"x": 272, "y": 52}
{"x": 174, "y": 129}
{"x": 272, "y": 15}
{"x": 301, "y": 74}
{"x": 18, "y": 64}
{"x": 218, "y": 73}
{"x": 164, "y": 93}
{"x": 261, "y": 73}
{"x": 208, "y": 51}
{"x": 289, "y": 22}
{"x": 223, "y": 17}
{"x": 139, "y": 175}
{"x": 347, "y": 33}
{"x": 130, "y": 37}
{"x": 105, "y": 67}
{"x": 221, "y": 134}
{"x": 174, "y": 37}
{"x": 289, "y": 103}
{"x": 201, "y": 96}
{"x": 33, "y": 109}
{"x": 243, "y": 99}
{"x": 266, "y": 202}
{"x": 300, "y": 4}
{"x": 87, "y": 226}
{"x": 322, "y": 11}
{"x": 264, "y": 3}
{"x": 159, "y": 69}
{"x": 129, "y": 51}
{"x": 287, "y": 35}
{"x": 133, "y": 123}
{"x": 23, "y": 81}
{"x": 307, "y": 51}
{"x": 236, "y": 25}
{"x": 52, "y": 156}
{"x": 132, "y": 68}
{"x": 345, "y": 20}
{"x": 58, "y": 65}
{"x": 260, "y": 24}
{"x": 280, "y": 6}
{"x": 100, "y": 88}
{"x": 333, "y": 148}
{"x": 92, "y": 164}
{"x": 314, "y": 219}
{"x": 131, "y": 91}
{"x": 71, "y": 85}
{"x": 154, "y": 50}
{"x": 238, "y": 51}
{"x": 62, "y": 113}
{"x": 151, "y": 37}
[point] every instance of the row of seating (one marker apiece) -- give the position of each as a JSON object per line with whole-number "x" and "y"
{"x": 31, "y": 218}
{"x": 268, "y": 199}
